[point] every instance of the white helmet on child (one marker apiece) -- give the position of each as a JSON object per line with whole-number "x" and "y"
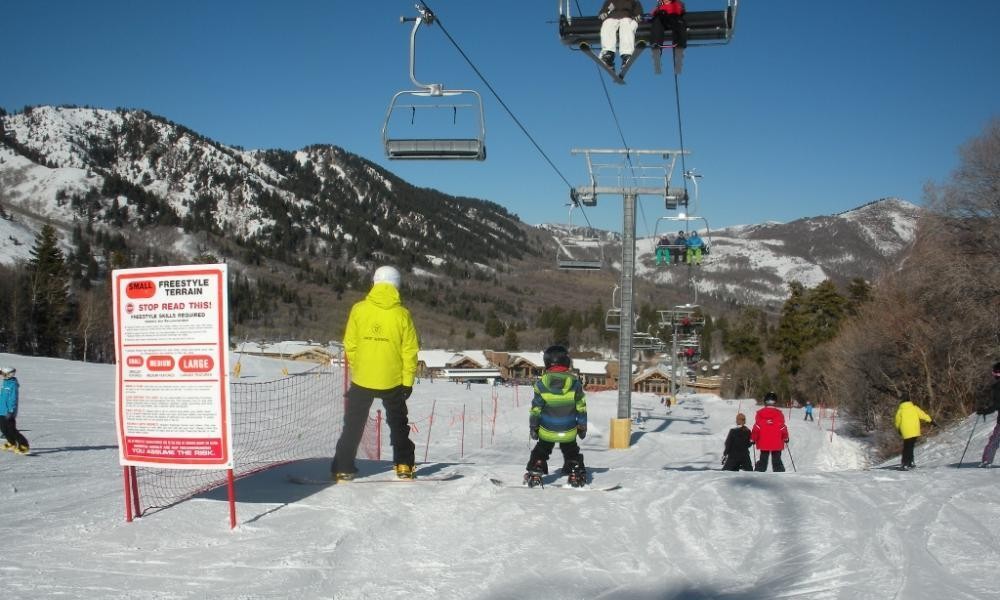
{"x": 7, "y": 371}
{"x": 387, "y": 274}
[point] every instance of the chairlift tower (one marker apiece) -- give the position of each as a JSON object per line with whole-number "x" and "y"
{"x": 628, "y": 174}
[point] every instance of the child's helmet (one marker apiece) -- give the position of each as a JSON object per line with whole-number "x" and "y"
{"x": 770, "y": 398}
{"x": 556, "y": 355}
{"x": 7, "y": 371}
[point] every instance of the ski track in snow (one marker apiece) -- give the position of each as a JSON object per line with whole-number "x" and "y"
{"x": 679, "y": 528}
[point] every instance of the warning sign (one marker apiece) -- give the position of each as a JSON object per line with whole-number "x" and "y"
{"x": 171, "y": 346}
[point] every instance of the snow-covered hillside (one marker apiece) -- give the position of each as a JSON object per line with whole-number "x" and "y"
{"x": 677, "y": 529}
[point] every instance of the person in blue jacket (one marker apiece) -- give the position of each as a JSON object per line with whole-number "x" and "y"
{"x": 9, "y": 392}
{"x": 809, "y": 411}
{"x": 694, "y": 248}
{"x": 558, "y": 415}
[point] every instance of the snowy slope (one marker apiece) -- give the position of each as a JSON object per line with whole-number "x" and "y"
{"x": 679, "y": 528}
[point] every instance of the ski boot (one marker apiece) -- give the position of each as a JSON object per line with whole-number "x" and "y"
{"x": 405, "y": 472}
{"x": 608, "y": 58}
{"x": 342, "y": 477}
{"x": 8, "y": 446}
{"x": 533, "y": 476}
{"x": 21, "y": 449}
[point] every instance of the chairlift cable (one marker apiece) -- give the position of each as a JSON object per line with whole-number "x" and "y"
{"x": 510, "y": 113}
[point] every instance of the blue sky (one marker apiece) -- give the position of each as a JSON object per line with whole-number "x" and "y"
{"x": 808, "y": 111}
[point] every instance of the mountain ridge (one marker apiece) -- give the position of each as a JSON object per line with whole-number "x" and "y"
{"x": 321, "y": 218}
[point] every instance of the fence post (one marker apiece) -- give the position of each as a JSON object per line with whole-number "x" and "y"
{"x": 430, "y": 426}
{"x": 378, "y": 434}
{"x": 833, "y": 421}
{"x": 462, "y": 450}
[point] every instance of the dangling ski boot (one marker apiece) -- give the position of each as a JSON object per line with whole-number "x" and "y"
{"x": 533, "y": 476}
{"x": 577, "y": 474}
{"x": 608, "y": 58}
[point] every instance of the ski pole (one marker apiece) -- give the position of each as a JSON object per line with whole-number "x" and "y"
{"x": 974, "y": 423}
{"x": 791, "y": 458}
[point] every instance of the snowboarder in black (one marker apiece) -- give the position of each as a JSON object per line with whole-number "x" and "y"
{"x": 736, "y": 454}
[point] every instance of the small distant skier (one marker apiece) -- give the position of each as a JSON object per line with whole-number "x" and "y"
{"x": 908, "y": 418}
{"x": 809, "y": 411}
{"x": 770, "y": 434}
{"x": 993, "y": 404}
{"x": 14, "y": 440}
{"x": 558, "y": 415}
{"x": 736, "y": 454}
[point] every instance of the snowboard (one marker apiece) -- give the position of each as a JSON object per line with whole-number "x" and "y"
{"x": 557, "y": 486}
{"x": 324, "y": 482}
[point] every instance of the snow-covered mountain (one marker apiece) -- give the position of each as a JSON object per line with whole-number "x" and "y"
{"x": 752, "y": 264}
{"x": 334, "y": 214}
{"x": 128, "y": 167}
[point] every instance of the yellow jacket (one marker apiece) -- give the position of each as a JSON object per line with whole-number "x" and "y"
{"x": 381, "y": 342}
{"x": 908, "y": 418}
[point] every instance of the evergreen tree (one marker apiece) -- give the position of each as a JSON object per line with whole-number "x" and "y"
{"x": 494, "y": 328}
{"x": 859, "y": 291}
{"x": 790, "y": 340}
{"x": 510, "y": 341}
{"x": 48, "y": 312}
{"x": 743, "y": 340}
{"x": 825, "y": 309}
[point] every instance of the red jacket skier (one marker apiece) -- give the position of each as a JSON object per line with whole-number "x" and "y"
{"x": 769, "y": 433}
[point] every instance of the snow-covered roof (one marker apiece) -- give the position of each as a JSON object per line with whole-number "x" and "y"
{"x": 590, "y": 367}
{"x": 476, "y": 356}
{"x": 287, "y": 348}
{"x": 435, "y": 359}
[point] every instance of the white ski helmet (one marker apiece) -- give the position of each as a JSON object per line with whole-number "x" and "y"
{"x": 7, "y": 371}
{"x": 387, "y": 274}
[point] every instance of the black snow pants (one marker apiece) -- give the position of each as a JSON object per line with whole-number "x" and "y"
{"x": 8, "y": 428}
{"x": 359, "y": 403}
{"x": 543, "y": 450}
{"x": 777, "y": 465}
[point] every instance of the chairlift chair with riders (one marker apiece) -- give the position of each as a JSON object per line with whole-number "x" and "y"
{"x": 704, "y": 28}
{"x": 579, "y": 252}
{"x": 686, "y": 220}
{"x": 433, "y": 97}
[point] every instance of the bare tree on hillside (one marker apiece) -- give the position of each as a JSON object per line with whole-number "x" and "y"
{"x": 933, "y": 327}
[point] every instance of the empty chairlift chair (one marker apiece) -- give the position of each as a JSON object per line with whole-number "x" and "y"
{"x": 465, "y": 106}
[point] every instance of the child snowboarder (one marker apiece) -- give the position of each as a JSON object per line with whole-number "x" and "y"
{"x": 558, "y": 415}
{"x": 736, "y": 454}
{"x": 908, "y": 418}
{"x": 9, "y": 392}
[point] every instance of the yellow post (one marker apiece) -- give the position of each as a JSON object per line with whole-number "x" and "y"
{"x": 621, "y": 433}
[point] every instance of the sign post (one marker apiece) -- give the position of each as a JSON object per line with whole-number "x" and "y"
{"x": 171, "y": 378}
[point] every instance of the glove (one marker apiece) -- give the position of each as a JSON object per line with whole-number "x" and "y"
{"x": 405, "y": 391}
{"x": 581, "y": 430}
{"x": 534, "y": 433}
